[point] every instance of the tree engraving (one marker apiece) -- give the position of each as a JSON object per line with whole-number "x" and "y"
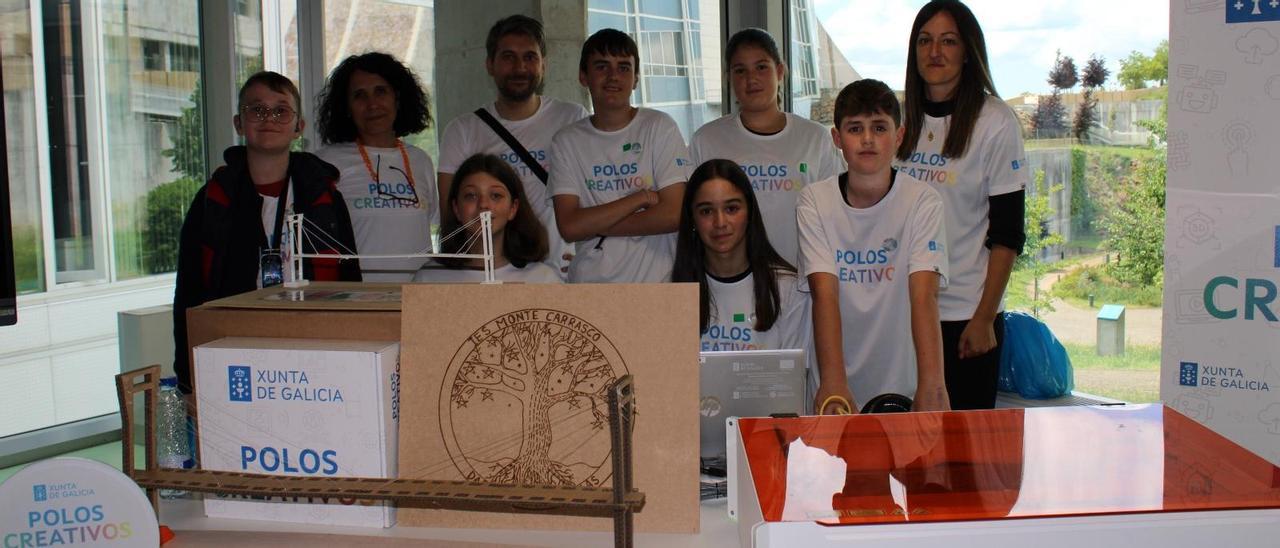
{"x": 524, "y": 401}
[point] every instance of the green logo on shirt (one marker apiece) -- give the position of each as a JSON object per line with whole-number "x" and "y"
{"x": 739, "y": 317}
{"x": 804, "y": 168}
{"x": 631, "y": 147}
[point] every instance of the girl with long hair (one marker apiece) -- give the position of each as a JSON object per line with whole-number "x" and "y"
{"x": 780, "y": 152}
{"x": 485, "y": 182}
{"x": 962, "y": 138}
{"x": 749, "y": 297}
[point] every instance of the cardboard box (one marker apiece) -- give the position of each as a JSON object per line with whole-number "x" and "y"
{"x": 299, "y": 407}
{"x": 315, "y": 312}
{"x": 506, "y": 384}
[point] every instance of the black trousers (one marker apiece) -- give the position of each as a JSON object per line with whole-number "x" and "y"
{"x": 971, "y": 382}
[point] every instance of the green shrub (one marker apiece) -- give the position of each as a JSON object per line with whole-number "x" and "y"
{"x": 166, "y": 207}
{"x": 1077, "y": 285}
{"x": 1135, "y": 228}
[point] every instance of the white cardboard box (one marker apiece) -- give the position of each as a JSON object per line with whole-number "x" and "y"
{"x": 299, "y": 407}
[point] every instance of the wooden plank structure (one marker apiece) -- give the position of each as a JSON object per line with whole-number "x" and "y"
{"x": 620, "y": 502}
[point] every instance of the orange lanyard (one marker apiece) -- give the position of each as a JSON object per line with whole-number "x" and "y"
{"x": 404, "y": 155}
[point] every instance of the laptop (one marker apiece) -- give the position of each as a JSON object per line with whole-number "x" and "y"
{"x": 747, "y": 383}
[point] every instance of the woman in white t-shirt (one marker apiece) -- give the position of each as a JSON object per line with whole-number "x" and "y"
{"x": 485, "y": 182}
{"x": 965, "y": 141}
{"x": 750, "y": 298}
{"x": 780, "y": 152}
{"x": 368, "y": 104}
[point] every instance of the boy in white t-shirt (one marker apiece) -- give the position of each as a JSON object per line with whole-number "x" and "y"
{"x": 516, "y": 59}
{"x": 871, "y": 246}
{"x": 617, "y": 177}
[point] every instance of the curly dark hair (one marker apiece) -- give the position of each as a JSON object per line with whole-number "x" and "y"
{"x": 412, "y": 111}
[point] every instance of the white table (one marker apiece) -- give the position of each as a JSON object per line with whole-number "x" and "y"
{"x": 186, "y": 518}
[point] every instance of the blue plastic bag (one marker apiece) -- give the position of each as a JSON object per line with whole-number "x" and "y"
{"x": 1033, "y": 362}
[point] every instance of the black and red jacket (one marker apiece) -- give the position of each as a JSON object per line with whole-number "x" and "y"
{"x": 222, "y": 236}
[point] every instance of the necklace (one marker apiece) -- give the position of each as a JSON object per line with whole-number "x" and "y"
{"x": 404, "y": 155}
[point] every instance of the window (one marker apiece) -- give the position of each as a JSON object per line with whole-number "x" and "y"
{"x": 153, "y": 55}
{"x": 818, "y": 70}
{"x": 97, "y": 136}
{"x": 20, "y": 127}
{"x": 679, "y": 42}
{"x": 403, "y": 28}
{"x": 76, "y": 227}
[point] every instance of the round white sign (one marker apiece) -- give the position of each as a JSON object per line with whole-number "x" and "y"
{"x": 73, "y": 501}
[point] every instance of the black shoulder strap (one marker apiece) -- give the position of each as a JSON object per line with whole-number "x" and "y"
{"x": 512, "y": 142}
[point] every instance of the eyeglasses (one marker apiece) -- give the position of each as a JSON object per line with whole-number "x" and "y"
{"x": 410, "y": 200}
{"x": 260, "y": 113}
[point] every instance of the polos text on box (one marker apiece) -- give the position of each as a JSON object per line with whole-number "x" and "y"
{"x": 299, "y": 407}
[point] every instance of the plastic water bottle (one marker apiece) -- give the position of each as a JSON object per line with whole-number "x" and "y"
{"x": 173, "y": 449}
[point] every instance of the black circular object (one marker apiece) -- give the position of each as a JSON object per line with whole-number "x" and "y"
{"x": 888, "y": 403}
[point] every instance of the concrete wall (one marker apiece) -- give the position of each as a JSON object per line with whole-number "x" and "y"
{"x": 461, "y": 27}
{"x": 1056, "y": 163}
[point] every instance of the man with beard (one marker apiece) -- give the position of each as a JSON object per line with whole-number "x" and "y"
{"x": 516, "y": 59}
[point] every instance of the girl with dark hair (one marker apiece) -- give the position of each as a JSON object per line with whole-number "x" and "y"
{"x": 749, "y": 296}
{"x": 964, "y": 139}
{"x": 485, "y": 182}
{"x": 369, "y": 102}
{"x": 781, "y": 152}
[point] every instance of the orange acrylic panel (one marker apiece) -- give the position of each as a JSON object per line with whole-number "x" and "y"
{"x": 999, "y": 464}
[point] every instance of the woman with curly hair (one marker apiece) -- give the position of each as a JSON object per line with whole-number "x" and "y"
{"x": 368, "y": 104}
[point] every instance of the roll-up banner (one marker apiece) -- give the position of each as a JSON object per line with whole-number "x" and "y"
{"x": 1221, "y": 357}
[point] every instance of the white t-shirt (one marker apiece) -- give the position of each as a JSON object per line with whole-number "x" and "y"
{"x": 603, "y": 166}
{"x": 872, "y": 252}
{"x": 382, "y": 224}
{"x": 779, "y": 166}
{"x": 993, "y": 164}
{"x": 732, "y": 319}
{"x": 467, "y": 135}
{"x": 532, "y": 273}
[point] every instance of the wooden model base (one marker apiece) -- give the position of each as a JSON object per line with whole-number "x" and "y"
{"x": 620, "y": 502}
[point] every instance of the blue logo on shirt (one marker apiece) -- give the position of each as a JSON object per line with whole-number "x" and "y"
{"x": 1188, "y": 373}
{"x": 239, "y": 385}
{"x": 39, "y": 493}
{"x": 933, "y": 245}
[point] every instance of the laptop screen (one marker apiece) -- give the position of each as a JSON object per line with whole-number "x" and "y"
{"x": 748, "y": 383}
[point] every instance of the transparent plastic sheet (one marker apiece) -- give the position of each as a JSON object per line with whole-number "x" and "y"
{"x": 1033, "y": 362}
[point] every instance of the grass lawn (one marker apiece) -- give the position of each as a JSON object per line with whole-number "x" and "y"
{"x": 1133, "y": 377}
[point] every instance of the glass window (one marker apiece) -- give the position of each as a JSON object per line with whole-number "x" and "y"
{"x": 676, "y": 51}
{"x": 153, "y": 55}
{"x": 665, "y": 8}
{"x": 609, "y": 5}
{"x": 74, "y": 226}
{"x": 806, "y": 56}
{"x": 23, "y": 151}
{"x": 153, "y": 152}
{"x": 403, "y": 28}
{"x": 597, "y": 21}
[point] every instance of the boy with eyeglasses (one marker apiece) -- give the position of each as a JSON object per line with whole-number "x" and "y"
{"x": 233, "y": 235}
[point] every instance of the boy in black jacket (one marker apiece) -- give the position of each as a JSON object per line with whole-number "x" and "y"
{"x": 232, "y": 236}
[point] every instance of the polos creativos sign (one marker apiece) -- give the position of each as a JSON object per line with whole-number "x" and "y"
{"x": 74, "y": 502}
